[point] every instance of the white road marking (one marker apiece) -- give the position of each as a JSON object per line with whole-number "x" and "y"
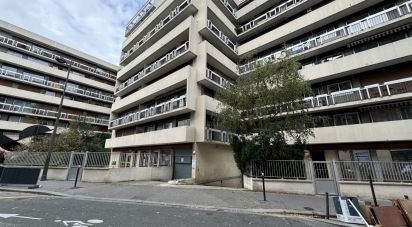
{"x": 17, "y": 216}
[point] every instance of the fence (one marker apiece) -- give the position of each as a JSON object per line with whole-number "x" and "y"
{"x": 342, "y": 170}
{"x": 58, "y": 159}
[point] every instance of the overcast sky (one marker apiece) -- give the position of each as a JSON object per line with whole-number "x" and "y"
{"x": 93, "y": 26}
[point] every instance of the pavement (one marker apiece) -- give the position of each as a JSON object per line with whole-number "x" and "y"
{"x": 46, "y": 211}
{"x": 186, "y": 196}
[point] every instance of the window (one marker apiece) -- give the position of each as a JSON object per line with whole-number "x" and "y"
{"x": 339, "y": 86}
{"x": 144, "y": 159}
{"x": 165, "y": 158}
{"x": 346, "y": 119}
{"x": 402, "y": 156}
{"x": 382, "y": 115}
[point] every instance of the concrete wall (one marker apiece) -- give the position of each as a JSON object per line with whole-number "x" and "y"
{"x": 303, "y": 187}
{"x": 213, "y": 162}
{"x": 382, "y": 190}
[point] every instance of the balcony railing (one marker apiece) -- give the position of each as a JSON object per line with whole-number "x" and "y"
{"x": 217, "y": 79}
{"x": 280, "y": 9}
{"x": 230, "y": 8}
{"x": 163, "y": 107}
{"x": 221, "y": 36}
{"x": 152, "y": 67}
{"x": 344, "y": 31}
{"x": 47, "y": 54}
{"x": 172, "y": 15}
{"x": 212, "y": 134}
{"x": 389, "y": 88}
{"x": 54, "y": 85}
{"x": 52, "y": 114}
{"x": 139, "y": 16}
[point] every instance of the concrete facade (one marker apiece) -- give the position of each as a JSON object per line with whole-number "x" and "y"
{"x": 354, "y": 54}
{"x": 32, "y": 82}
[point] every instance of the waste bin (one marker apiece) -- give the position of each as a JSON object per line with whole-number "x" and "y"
{"x": 345, "y": 211}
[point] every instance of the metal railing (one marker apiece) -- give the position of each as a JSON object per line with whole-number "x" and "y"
{"x": 52, "y": 114}
{"x": 60, "y": 86}
{"x": 163, "y": 107}
{"x": 344, "y": 31}
{"x": 139, "y": 16}
{"x": 58, "y": 159}
{"x": 379, "y": 171}
{"x": 280, "y": 9}
{"x": 222, "y": 36}
{"x": 152, "y": 67}
{"x": 172, "y": 15}
{"x": 282, "y": 169}
{"x": 48, "y": 54}
{"x": 217, "y": 135}
{"x": 230, "y": 8}
{"x": 217, "y": 79}
{"x": 388, "y": 88}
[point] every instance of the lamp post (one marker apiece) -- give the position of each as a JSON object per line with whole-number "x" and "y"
{"x": 56, "y": 122}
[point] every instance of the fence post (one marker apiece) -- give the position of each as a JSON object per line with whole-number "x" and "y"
{"x": 263, "y": 185}
{"x": 327, "y": 205}
{"x": 336, "y": 175}
{"x": 373, "y": 191}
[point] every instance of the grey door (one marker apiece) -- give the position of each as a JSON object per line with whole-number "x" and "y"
{"x": 77, "y": 162}
{"x": 324, "y": 178}
{"x": 182, "y": 167}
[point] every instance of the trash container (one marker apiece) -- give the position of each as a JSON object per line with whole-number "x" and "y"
{"x": 345, "y": 211}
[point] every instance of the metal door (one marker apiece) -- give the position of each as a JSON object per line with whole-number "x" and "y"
{"x": 77, "y": 161}
{"x": 324, "y": 177}
{"x": 182, "y": 168}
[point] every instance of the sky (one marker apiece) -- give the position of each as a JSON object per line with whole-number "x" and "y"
{"x": 93, "y": 26}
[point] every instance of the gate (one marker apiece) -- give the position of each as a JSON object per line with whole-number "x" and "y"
{"x": 324, "y": 177}
{"x": 77, "y": 161}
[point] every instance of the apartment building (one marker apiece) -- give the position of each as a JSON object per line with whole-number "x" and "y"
{"x": 32, "y": 82}
{"x": 356, "y": 55}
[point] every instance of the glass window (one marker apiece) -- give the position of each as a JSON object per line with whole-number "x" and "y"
{"x": 402, "y": 156}
{"x": 385, "y": 115}
{"x": 144, "y": 158}
{"x": 165, "y": 158}
{"x": 406, "y": 112}
{"x": 346, "y": 119}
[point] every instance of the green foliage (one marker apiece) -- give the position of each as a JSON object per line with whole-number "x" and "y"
{"x": 266, "y": 109}
{"x": 70, "y": 140}
{"x": 37, "y": 144}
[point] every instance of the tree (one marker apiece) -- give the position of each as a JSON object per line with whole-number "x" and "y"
{"x": 70, "y": 140}
{"x": 265, "y": 110}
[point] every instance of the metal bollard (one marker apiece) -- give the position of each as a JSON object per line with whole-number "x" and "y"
{"x": 327, "y": 205}
{"x": 77, "y": 176}
{"x": 373, "y": 191}
{"x": 263, "y": 185}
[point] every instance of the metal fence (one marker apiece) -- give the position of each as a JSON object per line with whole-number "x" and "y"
{"x": 342, "y": 170}
{"x": 58, "y": 159}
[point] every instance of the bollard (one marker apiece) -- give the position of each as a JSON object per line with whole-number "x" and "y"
{"x": 327, "y": 205}
{"x": 373, "y": 191}
{"x": 263, "y": 185}
{"x": 406, "y": 197}
{"x": 77, "y": 176}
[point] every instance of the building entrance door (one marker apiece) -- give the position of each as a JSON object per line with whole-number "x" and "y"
{"x": 77, "y": 163}
{"x": 182, "y": 166}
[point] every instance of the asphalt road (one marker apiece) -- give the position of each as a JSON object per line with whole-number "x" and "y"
{"x": 34, "y": 210}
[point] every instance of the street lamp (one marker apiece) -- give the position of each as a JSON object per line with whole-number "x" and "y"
{"x": 56, "y": 122}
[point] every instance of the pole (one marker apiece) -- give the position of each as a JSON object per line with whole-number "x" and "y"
{"x": 373, "y": 191}
{"x": 53, "y": 136}
{"x": 77, "y": 176}
{"x": 263, "y": 185}
{"x": 327, "y": 205}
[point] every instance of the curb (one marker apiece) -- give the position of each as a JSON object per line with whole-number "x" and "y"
{"x": 177, "y": 205}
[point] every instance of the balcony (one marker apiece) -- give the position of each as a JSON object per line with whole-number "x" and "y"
{"x": 178, "y": 135}
{"x": 230, "y": 8}
{"x": 139, "y": 16}
{"x": 339, "y": 33}
{"x": 137, "y": 117}
{"x": 389, "y": 88}
{"x": 389, "y": 131}
{"x": 275, "y": 16}
{"x": 158, "y": 30}
{"x": 51, "y": 56}
{"x": 154, "y": 68}
{"x": 53, "y": 85}
{"x": 51, "y": 114}
{"x": 216, "y": 135}
{"x": 214, "y": 81}
{"x": 222, "y": 37}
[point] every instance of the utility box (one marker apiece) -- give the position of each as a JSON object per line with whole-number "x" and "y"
{"x": 345, "y": 211}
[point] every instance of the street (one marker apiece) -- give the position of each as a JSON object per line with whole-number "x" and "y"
{"x": 17, "y": 209}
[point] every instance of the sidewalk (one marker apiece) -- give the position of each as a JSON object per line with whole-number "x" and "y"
{"x": 187, "y": 195}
